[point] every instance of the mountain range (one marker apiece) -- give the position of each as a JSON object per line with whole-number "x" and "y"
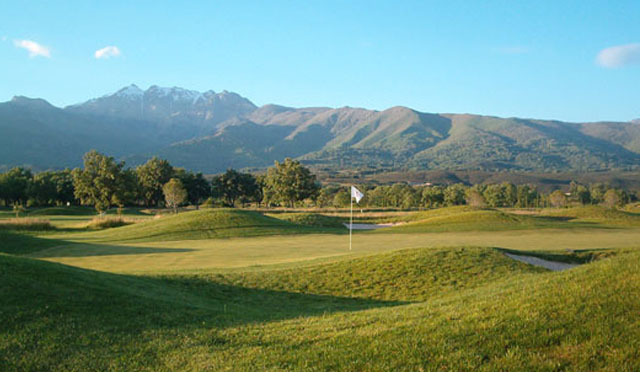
{"x": 209, "y": 132}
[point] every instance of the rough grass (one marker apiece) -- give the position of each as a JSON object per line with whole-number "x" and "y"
{"x": 201, "y": 224}
{"x": 25, "y": 224}
{"x": 54, "y": 317}
{"x": 100, "y": 223}
{"x": 310, "y": 219}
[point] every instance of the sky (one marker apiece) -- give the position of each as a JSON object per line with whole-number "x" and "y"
{"x": 564, "y": 60}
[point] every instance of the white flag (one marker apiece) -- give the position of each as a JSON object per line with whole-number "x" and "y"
{"x": 355, "y": 193}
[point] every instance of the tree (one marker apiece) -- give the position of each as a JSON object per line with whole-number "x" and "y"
{"x": 198, "y": 188}
{"x": 174, "y": 194}
{"x": 14, "y": 186}
{"x": 579, "y": 193}
{"x": 558, "y": 199}
{"x": 614, "y": 198}
{"x": 454, "y": 194}
{"x": 233, "y": 185}
{"x": 433, "y": 196}
{"x": 527, "y": 196}
{"x": 42, "y": 189}
{"x": 101, "y": 183}
{"x": 342, "y": 199}
{"x": 596, "y": 192}
{"x": 289, "y": 182}
{"x": 474, "y": 196}
{"x": 326, "y": 196}
{"x": 152, "y": 175}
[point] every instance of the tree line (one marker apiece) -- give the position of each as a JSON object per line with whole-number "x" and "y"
{"x": 104, "y": 183}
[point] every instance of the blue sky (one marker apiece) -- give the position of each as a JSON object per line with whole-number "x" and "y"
{"x": 566, "y": 60}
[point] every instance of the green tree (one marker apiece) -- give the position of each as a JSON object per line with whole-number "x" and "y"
{"x": 579, "y": 193}
{"x": 326, "y": 196}
{"x": 14, "y": 186}
{"x": 342, "y": 199}
{"x": 42, "y": 189}
{"x": 101, "y": 183}
{"x": 527, "y": 196}
{"x": 596, "y": 192}
{"x": 174, "y": 194}
{"x": 454, "y": 194}
{"x": 289, "y": 182}
{"x": 433, "y": 196}
{"x": 198, "y": 188}
{"x": 152, "y": 176}
{"x": 233, "y": 185}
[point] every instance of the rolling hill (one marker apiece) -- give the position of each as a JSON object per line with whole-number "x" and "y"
{"x": 209, "y": 132}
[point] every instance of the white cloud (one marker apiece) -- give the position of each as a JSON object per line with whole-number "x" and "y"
{"x": 34, "y": 48}
{"x": 619, "y": 55}
{"x": 107, "y": 52}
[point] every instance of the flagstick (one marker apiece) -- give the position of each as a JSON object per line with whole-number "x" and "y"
{"x": 350, "y": 223}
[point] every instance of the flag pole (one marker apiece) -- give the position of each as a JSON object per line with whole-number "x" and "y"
{"x": 350, "y": 221}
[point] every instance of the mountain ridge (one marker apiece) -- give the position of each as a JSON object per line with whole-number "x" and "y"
{"x": 209, "y": 132}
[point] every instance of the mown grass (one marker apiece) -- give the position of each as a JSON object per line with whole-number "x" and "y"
{"x": 201, "y": 224}
{"x": 310, "y": 219}
{"x": 502, "y": 316}
{"x": 407, "y": 275}
{"x": 596, "y": 214}
{"x": 473, "y": 219}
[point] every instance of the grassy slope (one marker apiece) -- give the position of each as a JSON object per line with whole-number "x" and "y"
{"x": 310, "y": 219}
{"x": 57, "y": 317}
{"x": 202, "y": 224}
{"x": 596, "y": 214}
{"x": 471, "y": 219}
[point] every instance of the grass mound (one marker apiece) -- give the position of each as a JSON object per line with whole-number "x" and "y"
{"x": 25, "y": 224}
{"x": 310, "y": 219}
{"x": 55, "y": 317}
{"x": 468, "y": 219}
{"x": 595, "y": 213}
{"x": 63, "y": 211}
{"x": 202, "y": 224}
{"x": 408, "y": 275}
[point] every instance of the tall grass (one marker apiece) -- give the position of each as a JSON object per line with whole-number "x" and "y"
{"x": 25, "y": 224}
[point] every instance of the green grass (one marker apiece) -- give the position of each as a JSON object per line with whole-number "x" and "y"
{"x": 202, "y": 224}
{"x": 227, "y": 289}
{"x": 63, "y": 211}
{"x": 596, "y": 214}
{"x": 407, "y": 275}
{"x": 472, "y": 219}
{"x": 310, "y": 219}
{"x": 502, "y": 316}
{"x": 21, "y": 243}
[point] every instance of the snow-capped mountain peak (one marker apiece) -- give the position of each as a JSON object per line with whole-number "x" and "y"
{"x": 131, "y": 91}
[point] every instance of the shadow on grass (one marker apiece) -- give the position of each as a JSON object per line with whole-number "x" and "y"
{"x": 24, "y": 242}
{"x": 36, "y": 292}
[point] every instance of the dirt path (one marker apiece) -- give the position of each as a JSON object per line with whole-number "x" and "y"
{"x": 551, "y": 265}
